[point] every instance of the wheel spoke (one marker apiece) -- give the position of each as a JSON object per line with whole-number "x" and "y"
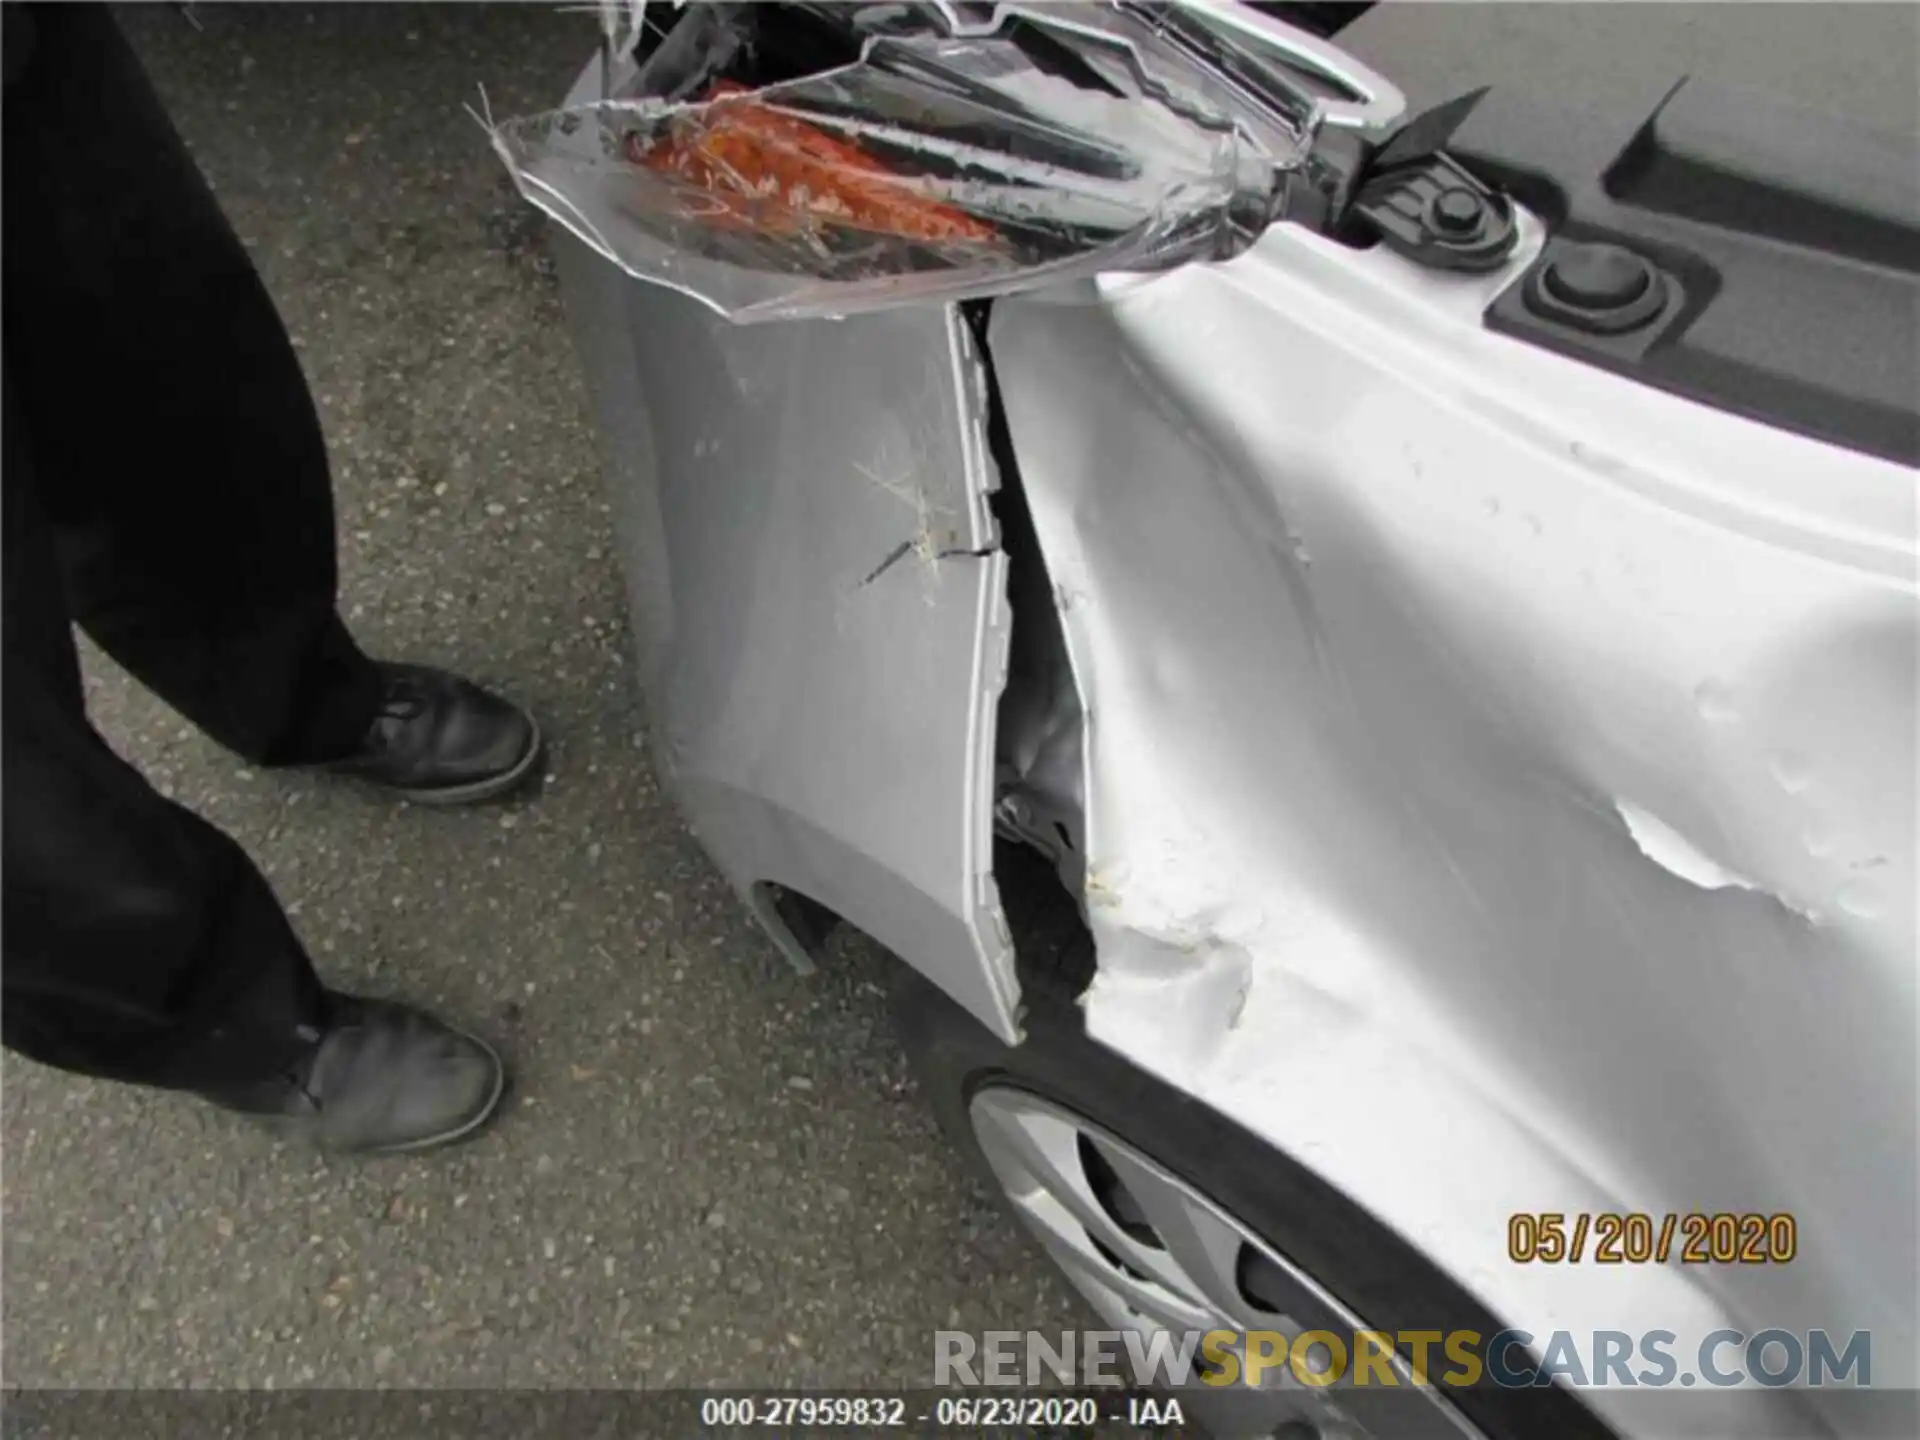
{"x": 1204, "y": 1246}
{"x": 1043, "y": 1151}
{"x": 1149, "y": 1302}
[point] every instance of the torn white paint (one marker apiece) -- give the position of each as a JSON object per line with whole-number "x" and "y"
{"x": 1672, "y": 851}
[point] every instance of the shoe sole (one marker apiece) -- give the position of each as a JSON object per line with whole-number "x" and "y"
{"x": 466, "y": 1127}
{"x": 477, "y": 790}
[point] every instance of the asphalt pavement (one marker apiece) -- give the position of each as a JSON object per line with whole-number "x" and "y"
{"x": 710, "y": 1171}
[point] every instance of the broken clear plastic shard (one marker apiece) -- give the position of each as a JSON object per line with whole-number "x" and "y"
{"x": 933, "y": 167}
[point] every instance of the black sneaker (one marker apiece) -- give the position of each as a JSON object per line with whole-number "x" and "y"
{"x": 381, "y": 1077}
{"x": 442, "y": 740}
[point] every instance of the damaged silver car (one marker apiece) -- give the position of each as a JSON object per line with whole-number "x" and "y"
{"x": 1361, "y": 658}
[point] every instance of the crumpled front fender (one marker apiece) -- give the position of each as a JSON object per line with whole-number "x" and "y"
{"x": 1499, "y": 778}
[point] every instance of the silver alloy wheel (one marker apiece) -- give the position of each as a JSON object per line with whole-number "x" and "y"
{"x": 1152, "y": 1254}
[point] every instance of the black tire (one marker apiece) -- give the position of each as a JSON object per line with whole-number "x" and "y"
{"x": 1375, "y": 1273}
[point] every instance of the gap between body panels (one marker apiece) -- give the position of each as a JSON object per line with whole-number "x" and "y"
{"x": 1039, "y": 848}
{"x": 1039, "y": 852}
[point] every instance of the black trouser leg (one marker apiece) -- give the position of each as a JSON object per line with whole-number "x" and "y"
{"x": 140, "y": 943}
{"x": 176, "y": 450}
{"x": 166, "y": 485}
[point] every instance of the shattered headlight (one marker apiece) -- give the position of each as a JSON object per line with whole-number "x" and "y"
{"x": 991, "y": 152}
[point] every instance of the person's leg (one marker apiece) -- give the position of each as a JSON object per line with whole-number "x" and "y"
{"x": 182, "y": 460}
{"x": 140, "y": 943}
{"x": 158, "y": 439}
